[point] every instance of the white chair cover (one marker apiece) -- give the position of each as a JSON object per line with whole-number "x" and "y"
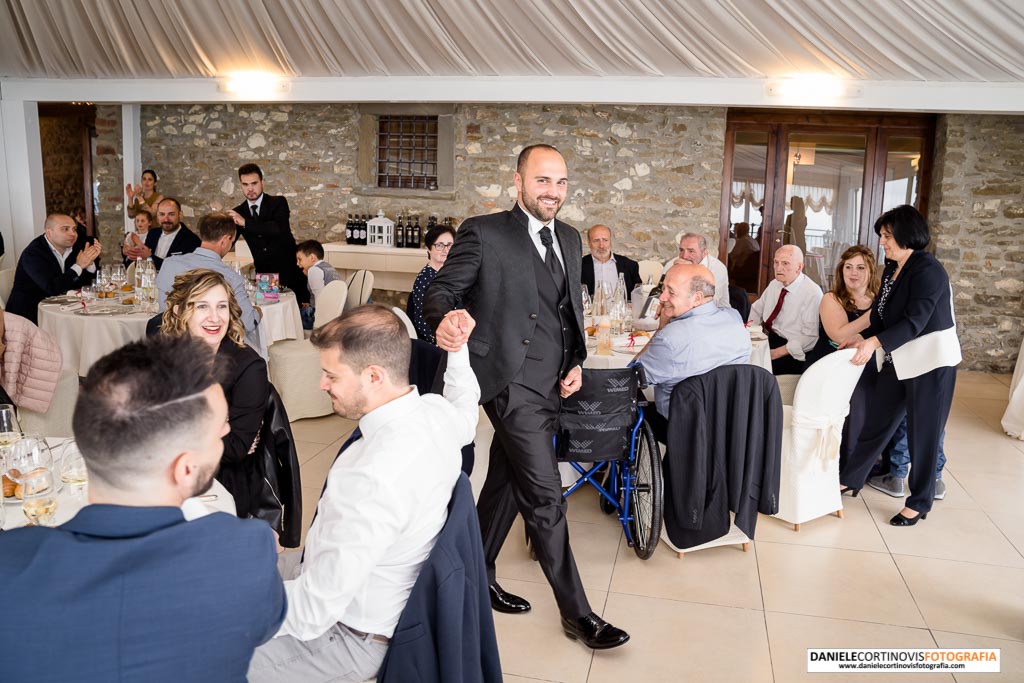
{"x": 360, "y": 286}
{"x": 650, "y": 270}
{"x": 242, "y": 249}
{"x": 6, "y": 285}
{"x": 130, "y": 273}
{"x": 330, "y": 303}
{"x": 812, "y": 433}
{"x": 55, "y": 422}
{"x": 1013, "y": 418}
{"x": 405, "y": 319}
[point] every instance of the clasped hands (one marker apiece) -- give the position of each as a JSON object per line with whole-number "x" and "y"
{"x": 454, "y": 330}
{"x": 89, "y": 254}
{"x": 865, "y": 348}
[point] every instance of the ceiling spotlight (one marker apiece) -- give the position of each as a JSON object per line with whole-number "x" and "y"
{"x": 254, "y": 84}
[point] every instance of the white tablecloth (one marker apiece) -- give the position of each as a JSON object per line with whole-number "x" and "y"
{"x": 217, "y": 499}
{"x": 1013, "y": 418}
{"x": 84, "y": 339}
{"x": 760, "y": 355}
{"x": 281, "y": 320}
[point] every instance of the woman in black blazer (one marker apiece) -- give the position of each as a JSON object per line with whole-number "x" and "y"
{"x": 912, "y": 324}
{"x": 202, "y": 304}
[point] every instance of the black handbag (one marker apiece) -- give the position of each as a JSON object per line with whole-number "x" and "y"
{"x": 275, "y": 488}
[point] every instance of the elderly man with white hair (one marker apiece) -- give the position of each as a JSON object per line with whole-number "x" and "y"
{"x": 788, "y": 312}
{"x": 693, "y": 248}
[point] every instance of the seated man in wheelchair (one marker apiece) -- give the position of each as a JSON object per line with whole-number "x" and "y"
{"x": 694, "y": 336}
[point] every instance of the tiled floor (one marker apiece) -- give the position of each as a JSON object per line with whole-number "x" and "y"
{"x": 721, "y": 615}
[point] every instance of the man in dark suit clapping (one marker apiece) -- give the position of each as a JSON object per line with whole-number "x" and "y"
{"x": 518, "y": 273}
{"x": 601, "y": 265}
{"x": 51, "y": 265}
{"x": 263, "y": 220}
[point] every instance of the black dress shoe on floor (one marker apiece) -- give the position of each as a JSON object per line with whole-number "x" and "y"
{"x": 594, "y": 632}
{"x": 900, "y": 520}
{"x": 506, "y": 602}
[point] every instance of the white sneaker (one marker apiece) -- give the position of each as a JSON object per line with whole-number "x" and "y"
{"x": 940, "y": 489}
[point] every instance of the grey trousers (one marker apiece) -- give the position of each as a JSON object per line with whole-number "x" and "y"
{"x": 338, "y": 655}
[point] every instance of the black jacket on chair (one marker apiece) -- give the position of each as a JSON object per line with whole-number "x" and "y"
{"x": 277, "y": 488}
{"x": 724, "y": 453}
{"x": 185, "y": 242}
{"x": 629, "y": 268}
{"x": 446, "y": 631}
{"x": 39, "y": 276}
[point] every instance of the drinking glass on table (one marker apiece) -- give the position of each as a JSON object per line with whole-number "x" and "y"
{"x": 88, "y": 294}
{"x": 10, "y": 429}
{"x": 26, "y": 455}
{"x": 72, "y": 468}
{"x": 40, "y": 497}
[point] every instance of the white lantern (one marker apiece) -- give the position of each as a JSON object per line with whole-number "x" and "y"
{"x": 380, "y": 231}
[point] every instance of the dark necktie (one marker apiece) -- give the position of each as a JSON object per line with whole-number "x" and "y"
{"x": 355, "y": 436}
{"x": 255, "y": 211}
{"x": 550, "y": 260}
{"x": 775, "y": 312}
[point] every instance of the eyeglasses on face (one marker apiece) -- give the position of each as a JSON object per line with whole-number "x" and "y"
{"x": 442, "y": 246}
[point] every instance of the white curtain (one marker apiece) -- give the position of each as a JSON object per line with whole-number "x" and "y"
{"x": 744, "y": 192}
{"x": 815, "y": 198}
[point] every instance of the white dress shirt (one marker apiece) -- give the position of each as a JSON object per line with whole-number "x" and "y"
{"x": 258, "y": 203}
{"x": 606, "y": 272}
{"x": 797, "y": 322}
{"x": 385, "y": 503}
{"x": 62, "y": 259}
{"x": 163, "y": 245}
{"x": 535, "y": 225}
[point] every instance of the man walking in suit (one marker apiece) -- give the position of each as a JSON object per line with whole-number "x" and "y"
{"x": 263, "y": 220}
{"x": 601, "y": 265}
{"x": 51, "y": 265}
{"x": 516, "y": 272}
{"x": 133, "y": 587}
{"x": 173, "y": 237}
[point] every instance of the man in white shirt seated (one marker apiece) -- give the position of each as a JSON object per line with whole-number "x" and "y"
{"x": 384, "y": 503}
{"x": 788, "y": 312}
{"x": 693, "y": 248}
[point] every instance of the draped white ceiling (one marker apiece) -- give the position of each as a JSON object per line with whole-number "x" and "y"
{"x": 967, "y": 41}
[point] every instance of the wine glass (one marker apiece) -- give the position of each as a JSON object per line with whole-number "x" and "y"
{"x": 40, "y": 497}
{"x": 27, "y": 455}
{"x": 72, "y": 468}
{"x": 588, "y": 305}
{"x": 10, "y": 429}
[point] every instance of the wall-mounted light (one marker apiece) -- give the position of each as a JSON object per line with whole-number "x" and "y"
{"x": 812, "y": 89}
{"x": 254, "y": 84}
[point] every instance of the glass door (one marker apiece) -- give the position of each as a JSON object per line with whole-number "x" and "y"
{"x": 744, "y": 206}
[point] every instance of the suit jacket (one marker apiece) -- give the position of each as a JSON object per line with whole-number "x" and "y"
{"x": 185, "y": 242}
{"x": 629, "y": 268}
{"x": 137, "y": 594}
{"x": 918, "y": 327}
{"x": 724, "y": 453}
{"x": 446, "y": 631}
{"x": 270, "y": 239}
{"x": 39, "y": 275}
{"x": 490, "y": 272}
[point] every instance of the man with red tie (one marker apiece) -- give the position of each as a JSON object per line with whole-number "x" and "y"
{"x": 788, "y": 311}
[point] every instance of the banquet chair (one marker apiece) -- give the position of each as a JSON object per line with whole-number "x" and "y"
{"x": 812, "y": 433}
{"x": 405, "y": 321}
{"x": 6, "y": 284}
{"x": 787, "y": 387}
{"x": 294, "y": 364}
{"x": 650, "y": 271}
{"x": 56, "y": 421}
{"x": 242, "y": 249}
{"x": 360, "y": 286}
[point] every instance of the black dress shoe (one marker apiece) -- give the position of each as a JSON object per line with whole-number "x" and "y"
{"x": 853, "y": 492}
{"x": 900, "y": 520}
{"x": 595, "y": 632}
{"x": 506, "y": 602}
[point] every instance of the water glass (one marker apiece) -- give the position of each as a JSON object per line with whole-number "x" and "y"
{"x": 588, "y": 305}
{"x": 72, "y": 468}
{"x": 40, "y": 501}
{"x": 27, "y": 455}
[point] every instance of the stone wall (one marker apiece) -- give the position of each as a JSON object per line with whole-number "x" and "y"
{"x": 976, "y": 211}
{"x": 60, "y": 138}
{"x": 648, "y": 172}
{"x": 108, "y": 179}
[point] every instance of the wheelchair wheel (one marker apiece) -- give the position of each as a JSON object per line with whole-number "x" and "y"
{"x": 645, "y": 503}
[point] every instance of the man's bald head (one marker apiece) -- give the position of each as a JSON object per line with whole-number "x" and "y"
{"x": 599, "y": 237}
{"x": 60, "y": 230}
{"x": 686, "y": 286}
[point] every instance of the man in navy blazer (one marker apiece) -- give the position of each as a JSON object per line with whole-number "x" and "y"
{"x": 128, "y": 590}
{"x": 51, "y": 265}
{"x": 173, "y": 238}
{"x": 599, "y": 237}
{"x": 263, "y": 220}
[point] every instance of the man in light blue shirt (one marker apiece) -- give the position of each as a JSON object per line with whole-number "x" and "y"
{"x": 695, "y": 336}
{"x": 217, "y": 231}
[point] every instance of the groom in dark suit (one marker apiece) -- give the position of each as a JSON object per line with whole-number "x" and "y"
{"x": 263, "y": 220}
{"x": 518, "y": 273}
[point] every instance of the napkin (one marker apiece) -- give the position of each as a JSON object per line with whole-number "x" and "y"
{"x": 72, "y": 307}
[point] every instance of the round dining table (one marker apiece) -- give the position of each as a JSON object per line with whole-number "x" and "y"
{"x": 281, "y": 319}
{"x": 84, "y": 337}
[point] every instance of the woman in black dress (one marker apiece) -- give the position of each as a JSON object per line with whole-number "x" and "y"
{"x": 438, "y": 240}
{"x": 202, "y": 305}
{"x": 845, "y": 311}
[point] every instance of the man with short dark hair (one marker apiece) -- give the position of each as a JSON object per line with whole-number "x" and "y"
{"x": 384, "y": 503}
{"x": 694, "y": 336}
{"x": 128, "y": 589}
{"x": 51, "y": 265}
{"x": 217, "y": 231}
{"x": 263, "y": 221}
{"x": 601, "y": 265}
{"x": 173, "y": 237}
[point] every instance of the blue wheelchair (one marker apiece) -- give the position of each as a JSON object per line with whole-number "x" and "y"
{"x": 603, "y": 425}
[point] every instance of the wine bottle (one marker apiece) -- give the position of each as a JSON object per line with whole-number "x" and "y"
{"x": 362, "y": 228}
{"x": 417, "y": 236}
{"x": 399, "y": 233}
{"x": 348, "y": 230}
{"x": 653, "y": 304}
